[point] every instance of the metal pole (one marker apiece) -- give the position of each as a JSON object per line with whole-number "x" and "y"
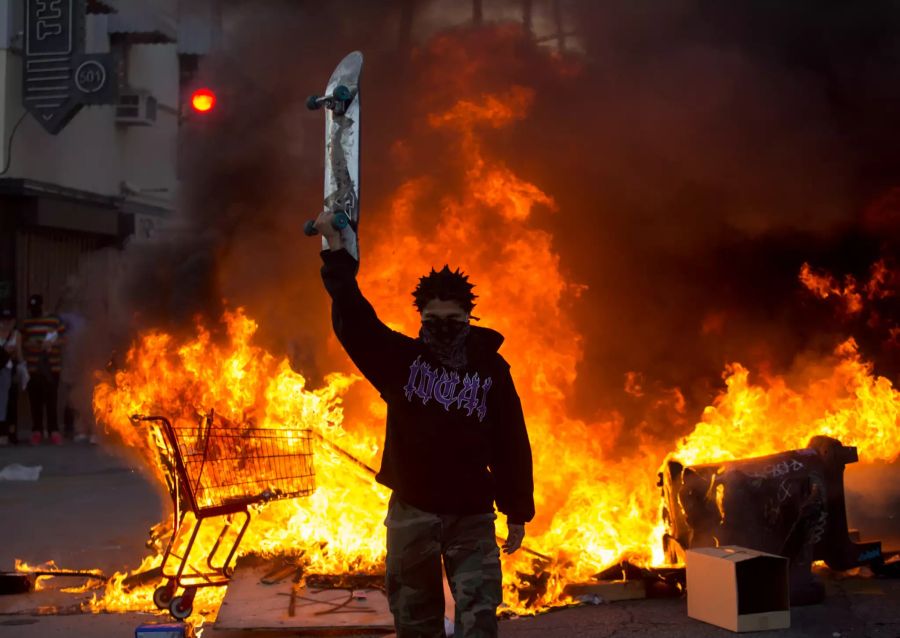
{"x": 407, "y": 20}
{"x": 560, "y": 32}
{"x": 526, "y": 17}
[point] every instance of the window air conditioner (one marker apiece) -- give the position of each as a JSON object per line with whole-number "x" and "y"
{"x": 135, "y": 108}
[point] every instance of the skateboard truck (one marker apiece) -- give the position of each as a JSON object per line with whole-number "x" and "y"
{"x": 339, "y": 222}
{"x": 338, "y": 101}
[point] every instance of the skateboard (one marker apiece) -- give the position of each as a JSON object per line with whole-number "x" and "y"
{"x": 341, "y": 103}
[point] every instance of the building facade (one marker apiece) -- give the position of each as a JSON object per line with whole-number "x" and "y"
{"x": 111, "y": 174}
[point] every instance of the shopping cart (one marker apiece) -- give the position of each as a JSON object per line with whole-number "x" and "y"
{"x": 218, "y": 470}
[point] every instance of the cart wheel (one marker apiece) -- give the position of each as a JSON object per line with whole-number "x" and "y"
{"x": 178, "y": 611}
{"x": 162, "y": 596}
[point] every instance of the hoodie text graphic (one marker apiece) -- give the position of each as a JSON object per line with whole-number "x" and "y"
{"x": 427, "y": 383}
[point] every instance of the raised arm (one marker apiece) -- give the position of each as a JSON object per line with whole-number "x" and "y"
{"x": 369, "y": 342}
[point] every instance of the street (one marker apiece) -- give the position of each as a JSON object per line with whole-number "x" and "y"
{"x": 90, "y": 509}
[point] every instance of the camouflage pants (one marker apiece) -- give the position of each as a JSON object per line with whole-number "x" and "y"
{"x": 416, "y": 543}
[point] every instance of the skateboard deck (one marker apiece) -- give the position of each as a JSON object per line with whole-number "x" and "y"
{"x": 341, "y": 194}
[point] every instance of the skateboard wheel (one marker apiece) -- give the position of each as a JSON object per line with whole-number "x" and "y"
{"x": 312, "y": 103}
{"x": 309, "y": 228}
{"x": 341, "y": 93}
{"x": 340, "y": 221}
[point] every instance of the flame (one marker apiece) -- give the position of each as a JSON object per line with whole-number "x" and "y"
{"x": 245, "y": 384}
{"x": 594, "y": 507}
{"x": 47, "y": 569}
{"x": 841, "y": 398}
{"x": 51, "y": 566}
{"x": 882, "y": 283}
{"x": 824, "y": 285}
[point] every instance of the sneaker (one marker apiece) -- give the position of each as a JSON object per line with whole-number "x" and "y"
{"x": 81, "y": 437}
{"x": 56, "y": 438}
{"x": 93, "y": 440}
{"x": 36, "y": 438}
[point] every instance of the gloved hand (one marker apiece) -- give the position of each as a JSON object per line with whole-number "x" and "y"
{"x": 514, "y": 539}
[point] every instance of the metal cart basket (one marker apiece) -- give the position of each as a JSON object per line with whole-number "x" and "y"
{"x": 217, "y": 470}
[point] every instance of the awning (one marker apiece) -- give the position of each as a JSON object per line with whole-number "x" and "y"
{"x": 101, "y": 6}
{"x": 135, "y": 25}
{"x": 52, "y": 206}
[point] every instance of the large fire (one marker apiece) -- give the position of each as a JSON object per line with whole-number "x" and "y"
{"x": 593, "y": 507}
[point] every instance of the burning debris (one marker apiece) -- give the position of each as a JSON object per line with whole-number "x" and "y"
{"x": 464, "y": 176}
{"x": 595, "y": 495}
{"x": 28, "y": 578}
{"x": 219, "y": 470}
{"x": 789, "y": 504}
{"x": 337, "y": 530}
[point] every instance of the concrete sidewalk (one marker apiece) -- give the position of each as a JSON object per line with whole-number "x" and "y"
{"x": 92, "y": 509}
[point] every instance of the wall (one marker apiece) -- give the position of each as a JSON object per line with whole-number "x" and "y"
{"x": 93, "y": 153}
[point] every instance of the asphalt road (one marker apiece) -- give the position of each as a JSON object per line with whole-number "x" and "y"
{"x": 91, "y": 509}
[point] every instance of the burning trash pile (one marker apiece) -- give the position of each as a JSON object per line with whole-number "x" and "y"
{"x": 598, "y": 501}
{"x": 595, "y": 507}
{"x": 611, "y": 513}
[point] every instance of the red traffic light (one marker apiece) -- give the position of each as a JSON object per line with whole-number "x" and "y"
{"x": 203, "y": 100}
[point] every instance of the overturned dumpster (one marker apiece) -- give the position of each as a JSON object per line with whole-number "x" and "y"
{"x": 791, "y": 504}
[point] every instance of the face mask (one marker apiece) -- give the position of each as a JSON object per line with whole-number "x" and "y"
{"x": 447, "y": 340}
{"x": 444, "y": 330}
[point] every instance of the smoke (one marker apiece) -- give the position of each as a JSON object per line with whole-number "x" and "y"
{"x": 729, "y": 143}
{"x": 698, "y": 154}
{"x": 873, "y": 497}
{"x": 251, "y": 175}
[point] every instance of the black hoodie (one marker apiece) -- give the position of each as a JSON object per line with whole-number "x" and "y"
{"x": 456, "y": 439}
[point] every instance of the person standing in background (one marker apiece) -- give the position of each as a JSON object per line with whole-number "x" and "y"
{"x": 43, "y": 342}
{"x": 10, "y": 358}
{"x": 76, "y": 425}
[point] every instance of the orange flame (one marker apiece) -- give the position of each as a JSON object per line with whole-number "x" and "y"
{"x": 593, "y": 508}
{"x": 840, "y": 398}
{"x": 824, "y": 285}
{"x": 882, "y": 284}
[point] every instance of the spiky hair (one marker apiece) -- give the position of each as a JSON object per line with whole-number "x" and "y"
{"x": 446, "y": 285}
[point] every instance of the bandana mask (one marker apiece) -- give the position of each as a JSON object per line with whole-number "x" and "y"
{"x": 446, "y": 338}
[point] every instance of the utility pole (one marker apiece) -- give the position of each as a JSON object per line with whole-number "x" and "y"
{"x": 560, "y": 31}
{"x": 526, "y": 17}
{"x": 407, "y": 20}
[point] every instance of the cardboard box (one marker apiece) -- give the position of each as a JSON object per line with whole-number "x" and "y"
{"x": 738, "y": 588}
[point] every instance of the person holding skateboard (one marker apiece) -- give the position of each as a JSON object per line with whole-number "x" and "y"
{"x": 455, "y": 444}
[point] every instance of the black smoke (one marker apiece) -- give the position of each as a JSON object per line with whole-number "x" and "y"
{"x": 700, "y": 154}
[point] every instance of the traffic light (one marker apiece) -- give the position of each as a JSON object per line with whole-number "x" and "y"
{"x": 203, "y": 101}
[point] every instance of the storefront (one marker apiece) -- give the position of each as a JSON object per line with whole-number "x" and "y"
{"x": 49, "y": 233}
